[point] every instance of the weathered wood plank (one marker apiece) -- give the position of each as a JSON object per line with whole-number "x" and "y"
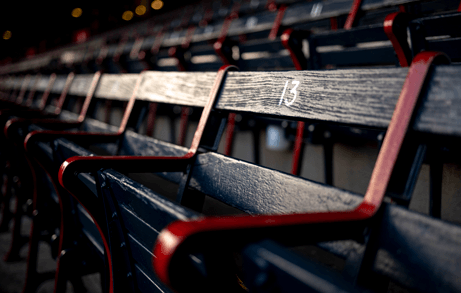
{"x": 364, "y": 97}
{"x": 81, "y": 84}
{"x": 59, "y": 83}
{"x": 180, "y": 88}
{"x": 419, "y": 251}
{"x": 116, "y": 86}
{"x": 259, "y": 190}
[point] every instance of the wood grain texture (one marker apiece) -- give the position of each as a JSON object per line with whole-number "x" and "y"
{"x": 362, "y": 97}
{"x": 420, "y": 252}
{"x": 116, "y": 86}
{"x": 81, "y": 84}
{"x": 258, "y": 190}
{"x": 441, "y": 109}
{"x": 404, "y": 248}
{"x": 180, "y": 88}
{"x": 304, "y": 12}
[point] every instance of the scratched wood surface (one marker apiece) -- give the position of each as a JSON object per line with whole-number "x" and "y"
{"x": 403, "y": 250}
{"x": 116, "y": 86}
{"x": 81, "y": 84}
{"x": 364, "y": 97}
{"x": 257, "y": 189}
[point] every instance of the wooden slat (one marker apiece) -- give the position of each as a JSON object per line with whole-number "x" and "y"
{"x": 116, "y": 86}
{"x": 43, "y": 83}
{"x": 180, "y": 88}
{"x": 81, "y": 84}
{"x": 59, "y": 83}
{"x": 419, "y": 251}
{"x": 148, "y": 284}
{"x": 258, "y": 190}
{"x": 363, "y": 97}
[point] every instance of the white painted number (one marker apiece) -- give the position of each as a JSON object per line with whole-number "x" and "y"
{"x": 293, "y": 91}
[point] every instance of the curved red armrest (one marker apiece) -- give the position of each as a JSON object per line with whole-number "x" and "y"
{"x": 180, "y": 236}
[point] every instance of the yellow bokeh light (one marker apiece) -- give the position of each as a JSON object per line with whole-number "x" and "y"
{"x": 140, "y": 10}
{"x": 157, "y": 4}
{"x": 77, "y": 12}
{"x": 127, "y": 15}
{"x": 7, "y": 35}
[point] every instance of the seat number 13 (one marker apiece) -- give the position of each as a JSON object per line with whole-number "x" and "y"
{"x": 292, "y": 91}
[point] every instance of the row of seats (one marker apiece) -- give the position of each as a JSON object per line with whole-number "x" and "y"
{"x": 150, "y": 216}
{"x": 100, "y": 210}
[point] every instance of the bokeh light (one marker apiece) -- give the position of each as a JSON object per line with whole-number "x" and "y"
{"x": 77, "y": 12}
{"x": 140, "y": 10}
{"x": 7, "y": 35}
{"x": 127, "y": 15}
{"x": 157, "y": 4}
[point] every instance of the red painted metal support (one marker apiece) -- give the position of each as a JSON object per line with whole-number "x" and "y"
{"x": 333, "y": 23}
{"x": 63, "y": 96}
{"x": 141, "y": 163}
{"x": 158, "y": 40}
{"x": 24, "y": 85}
{"x": 176, "y": 52}
{"x": 179, "y": 234}
{"x": 30, "y": 97}
{"x": 271, "y": 5}
{"x": 100, "y": 137}
{"x": 277, "y": 22}
{"x": 227, "y": 60}
{"x": 183, "y": 125}
{"x": 297, "y": 150}
{"x": 352, "y": 14}
{"x": 395, "y": 27}
{"x": 228, "y": 147}
{"x": 47, "y": 92}
{"x": 207, "y": 16}
{"x": 218, "y": 45}
{"x": 294, "y": 47}
{"x": 151, "y": 115}
{"x": 57, "y": 123}
{"x": 107, "y": 111}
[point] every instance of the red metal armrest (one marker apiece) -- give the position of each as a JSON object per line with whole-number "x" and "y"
{"x": 395, "y": 27}
{"x": 72, "y": 167}
{"x": 95, "y": 137}
{"x": 56, "y": 124}
{"x": 177, "y": 237}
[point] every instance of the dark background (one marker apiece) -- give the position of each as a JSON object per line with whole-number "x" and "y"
{"x": 42, "y": 25}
